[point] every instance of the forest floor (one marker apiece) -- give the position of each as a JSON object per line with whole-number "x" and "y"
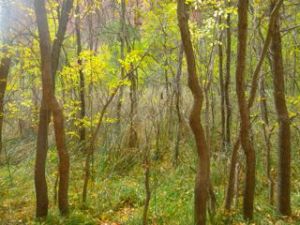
{"x": 116, "y": 194}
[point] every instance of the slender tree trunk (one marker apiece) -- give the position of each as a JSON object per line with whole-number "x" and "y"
{"x": 177, "y": 103}
{"x": 284, "y": 136}
{"x": 122, "y": 56}
{"x": 231, "y": 180}
{"x": 82, "y": 131}
{"x": 202, "y": 177}
{"x": 222, "y": 94}
{"x": 147, "y": 183}
{"x": 133, "y": 135}
{"x": 90, "y": 149}
{"x": 227, "y": 78}
{"x": 246, "y": 141}
{"x": 133, "y": 95}
{"x": 59, "y": 37}
{"x": 266, "y": 130}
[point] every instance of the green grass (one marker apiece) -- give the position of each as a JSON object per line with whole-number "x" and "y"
{"x": 116, "y": 194}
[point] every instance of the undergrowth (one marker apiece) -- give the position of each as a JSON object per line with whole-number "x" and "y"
{"x": 116, "y": 193}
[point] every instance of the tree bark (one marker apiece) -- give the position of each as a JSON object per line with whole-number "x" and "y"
{"x": 227, "y": 78}
{"x": 59, "y": 38}
{"x": 222, "y": 95}
{"x": 245, "y": 128}
{"x": 284, "y": 136}
{"x": 49, "y": 104}
{"x": 251, "y": 98}
{"x": 177, "y": 103}
{"x": 202, "y": 177}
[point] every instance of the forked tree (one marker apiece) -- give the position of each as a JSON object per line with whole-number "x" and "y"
{"x": 49, "y": 105}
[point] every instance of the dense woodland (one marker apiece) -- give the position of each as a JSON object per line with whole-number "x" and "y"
{"x": 149, "y": 112}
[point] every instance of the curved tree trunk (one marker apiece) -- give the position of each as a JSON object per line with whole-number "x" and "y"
{"x": 246, "y": 141}
{"x": 202, "y": 177}
{"x": 251, "y": 98}
{"x": 284, "y": 136}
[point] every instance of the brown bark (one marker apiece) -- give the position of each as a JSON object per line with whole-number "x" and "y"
{"x": 40, "y": 163}
{"x": 202, "y": 177}
{"x": 245, "y": 128}
{"x": 284, "y": 136}
{"x": 227, "y": 78}
{"x": 59, "y": 38}
{"x": 251, "y": 100}
{"x": 222, "y": 94}
{"x": 230, "y": 186}
{"x": 49, "y": 104}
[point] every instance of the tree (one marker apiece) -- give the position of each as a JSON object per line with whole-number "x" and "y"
{"x": 227, "y": 78}
{"x": 245, "y": 128}
{"x": 82, "y": 131}
{"x": 250, "y": 102}
{"x": 284, "y": 135}
{"x": 202, "y": 177}
{"x": 49, "y": 103}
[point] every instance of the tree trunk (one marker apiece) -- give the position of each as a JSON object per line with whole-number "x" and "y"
{"x": 246, "y": 141}
{"x": 59, "y": 37}
{"x": 82, "y": 131}
{"x": 133, "y": 135}
{"x": 222, "y": 94}
{"x": 252, "y": 97}
{"x": 40, "y": 162}
{"x": 202, "y": 177}
{"x": 122, "y": 56}
{"x": 177, "y": 103}
{"x": 284, "y": 136}
{"x": 266, "y": 130}
{"x": 227, "y": 78}
{"x": 231, "y": 180}
{"x": 49, "y": 104}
